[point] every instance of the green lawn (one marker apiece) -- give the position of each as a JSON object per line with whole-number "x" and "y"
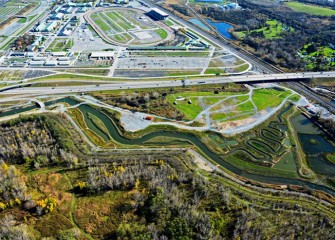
{"x": 287, "y": 163}
{"x": 214, "y": 71}
{"x": 271, "y": 31}
{"x": 162, "y": 33}
{"x": 310, "y": 9}
{"x": 22, "y": 20}
{"x": 100, "y": 23}
{"x": 190, "y": 110}
{"x": 119, "y": 20}
{"x": 60, "y": 44}
{"x": 268, "y": 98}
{"x": 168, "y": 23}
{"x": 242, "y": 68}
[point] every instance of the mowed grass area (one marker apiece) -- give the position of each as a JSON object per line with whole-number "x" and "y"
{"x": 119, "y": 20}
{"x": 100, "y": 23}
{"x": 162, "y": 33}
{"x": 310, "y": 9}
{"x": 214, "y": 71}
{"x": 60, "y": 44}
{"x": 193, "y": 108}
{"x": 269, "y": 98}
{"x": 271, "y": 31}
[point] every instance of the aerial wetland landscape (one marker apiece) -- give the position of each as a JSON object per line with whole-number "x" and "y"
{"x": 178, "y": 119}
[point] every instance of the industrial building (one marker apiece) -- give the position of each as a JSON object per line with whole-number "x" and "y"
{"x": 64, "y": 63}
{"x": 157, "y": 14}
{"x": 36, "y": 63}
{"x": 58, "y": 16}
{"x": 18, "y": 54}
{"x": 63, "y": 59}
{"x": 46, "y": 27}
{"x": 40, "y": 58}
{"x": 102, "y": 55}
{"x": 51, "y": 63}
{"x": 59, "y": 54}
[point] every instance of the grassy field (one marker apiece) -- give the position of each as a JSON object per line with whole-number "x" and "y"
{"x": 271, "y": 31}
{"x": 11, "y": 75}
{"x": 268, "y": 98}
{"x": 189, "y": 109}
{"x": 171, "y": 53}
{"x": 310, "y": 9}
{"x": 214, "y": 71}
{"x": 119, "y": 20}
{"x": 22, "y": 20}
{"x": 162, "y": 33}
{"x": 98, "y": 72}
{"x": 117, "y": 25}
{"x": 168, "y": 23}
{"x": 60, "y": 44}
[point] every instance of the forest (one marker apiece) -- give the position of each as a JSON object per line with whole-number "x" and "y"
{"x": 54, "y": 187}
{"x": 282, "y": 50}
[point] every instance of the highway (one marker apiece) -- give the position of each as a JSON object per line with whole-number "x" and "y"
{"x": 157, "y": 84}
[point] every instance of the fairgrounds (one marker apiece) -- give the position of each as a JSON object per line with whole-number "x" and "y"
{"x": 125, "y": 27}
{"x": 10, "y": 9}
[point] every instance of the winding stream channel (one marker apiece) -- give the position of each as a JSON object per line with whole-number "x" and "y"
{"x": 115, "y": 133}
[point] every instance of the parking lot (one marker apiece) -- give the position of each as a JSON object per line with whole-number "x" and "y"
{"x": 162, "y": 63}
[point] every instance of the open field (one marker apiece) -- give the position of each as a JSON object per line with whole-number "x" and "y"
{"x": 310, "y": 9}
{"x": 138, "y": 30}
{"x": 60, "y": 45}
{"x": 271, "y": 31}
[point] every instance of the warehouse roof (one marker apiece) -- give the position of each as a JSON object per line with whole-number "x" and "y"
{"x": 102, "y": 54}
{"x": 159, "y": 12}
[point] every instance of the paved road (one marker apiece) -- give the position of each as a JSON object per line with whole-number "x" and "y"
{"x": 156, "y": 84}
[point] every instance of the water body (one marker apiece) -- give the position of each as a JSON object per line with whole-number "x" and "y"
{"x": 18, "y": 110}
{"x": 68, "y": 100}
{"x": 116, "y": 135}
{"x": 198, "y": 23}
{"x": 315, "y": 145}
{"x": 222, "y": 27}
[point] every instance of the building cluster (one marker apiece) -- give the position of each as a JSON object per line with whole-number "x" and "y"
{"x": 61, "y": 15}
{"x": 223, "y": 7}
{"x": 103, "y": 3}
{"x": 54, "y": 59}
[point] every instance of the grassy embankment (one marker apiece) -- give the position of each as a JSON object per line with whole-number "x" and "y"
{"x": 310, "y": 9}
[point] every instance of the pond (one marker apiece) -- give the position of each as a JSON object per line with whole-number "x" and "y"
{"x": 198, "y": 23}
{"x": 315, "y": 145}
{"x": 118, "y": 137}
{"x": 222, "y": 28}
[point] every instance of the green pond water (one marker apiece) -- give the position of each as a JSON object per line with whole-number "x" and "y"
{"x": 315, "y": 145}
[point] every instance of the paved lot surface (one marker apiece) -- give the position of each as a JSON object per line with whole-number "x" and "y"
{"x": 162, "y": 63}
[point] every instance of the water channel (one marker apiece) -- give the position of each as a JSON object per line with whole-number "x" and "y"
{"x": 117, "y": 136}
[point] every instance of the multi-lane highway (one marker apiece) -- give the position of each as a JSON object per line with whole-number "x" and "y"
{"x": 159, "y": 83}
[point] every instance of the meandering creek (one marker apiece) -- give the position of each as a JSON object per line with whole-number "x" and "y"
{"x": 115, "y": 133}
